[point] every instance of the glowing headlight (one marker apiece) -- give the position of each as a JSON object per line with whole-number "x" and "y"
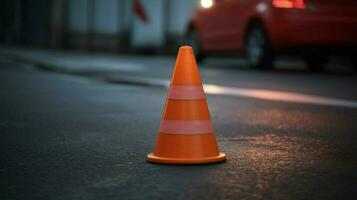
{"x": 206, "y": 3}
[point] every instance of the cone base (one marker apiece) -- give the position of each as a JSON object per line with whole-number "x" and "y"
{"x": 180, "y": 161}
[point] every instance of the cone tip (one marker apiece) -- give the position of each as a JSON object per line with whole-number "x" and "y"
{"x": 185, "y": 47}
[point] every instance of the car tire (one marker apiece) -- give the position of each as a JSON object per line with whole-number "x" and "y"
{"x": 192, "y": 39}
{"x": 316, "y": 61}
{"x": 258, "y": 50}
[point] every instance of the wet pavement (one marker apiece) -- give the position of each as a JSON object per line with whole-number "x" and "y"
{"x": 74, "y": 137}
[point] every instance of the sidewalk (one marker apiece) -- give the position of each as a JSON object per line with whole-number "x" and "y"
{"x": 156, "y": 71}
{"x": 76, "y": 62}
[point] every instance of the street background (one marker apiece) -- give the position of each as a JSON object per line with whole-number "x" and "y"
{"x": 112, "y": 25}
{"x": 78, "y": 119}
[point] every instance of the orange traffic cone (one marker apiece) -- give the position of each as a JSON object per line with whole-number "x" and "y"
{"x": 186, "y": 135}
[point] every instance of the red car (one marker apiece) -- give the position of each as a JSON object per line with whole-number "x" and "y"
{"x": 263, "y": 29}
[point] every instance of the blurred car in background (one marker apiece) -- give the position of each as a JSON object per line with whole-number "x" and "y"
{"x": 263, "y": 29}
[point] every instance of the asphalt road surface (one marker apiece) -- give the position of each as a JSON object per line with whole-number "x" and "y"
{"x": 82, "y": 137}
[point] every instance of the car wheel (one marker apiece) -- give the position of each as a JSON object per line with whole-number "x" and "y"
{"x": 193, "y": 40}
{"x": 259, "y": 53}
{"x": 316, "y": 61}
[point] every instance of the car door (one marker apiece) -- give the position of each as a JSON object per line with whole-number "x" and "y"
{"x": 211, "y": 27}
{"x": 234, "y": 13}
{"x": 223, "y": 23}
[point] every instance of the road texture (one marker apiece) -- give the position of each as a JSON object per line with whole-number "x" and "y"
{"x": 66, "y": 136}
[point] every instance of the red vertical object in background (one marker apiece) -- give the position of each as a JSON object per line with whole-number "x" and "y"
{"x": 140, "y": 11}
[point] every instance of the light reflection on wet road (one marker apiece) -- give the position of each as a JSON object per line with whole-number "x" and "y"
{"x": 74, "y": 139}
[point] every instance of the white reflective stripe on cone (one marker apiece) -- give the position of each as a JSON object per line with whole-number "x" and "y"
{"x": 186, "y": 127}
{"x": 186, "y": 92}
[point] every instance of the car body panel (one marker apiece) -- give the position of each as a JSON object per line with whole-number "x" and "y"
{"x": 223, "y": 27}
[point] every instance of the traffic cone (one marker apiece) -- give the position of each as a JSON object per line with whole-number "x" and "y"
{"x": 186, "y": 135}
